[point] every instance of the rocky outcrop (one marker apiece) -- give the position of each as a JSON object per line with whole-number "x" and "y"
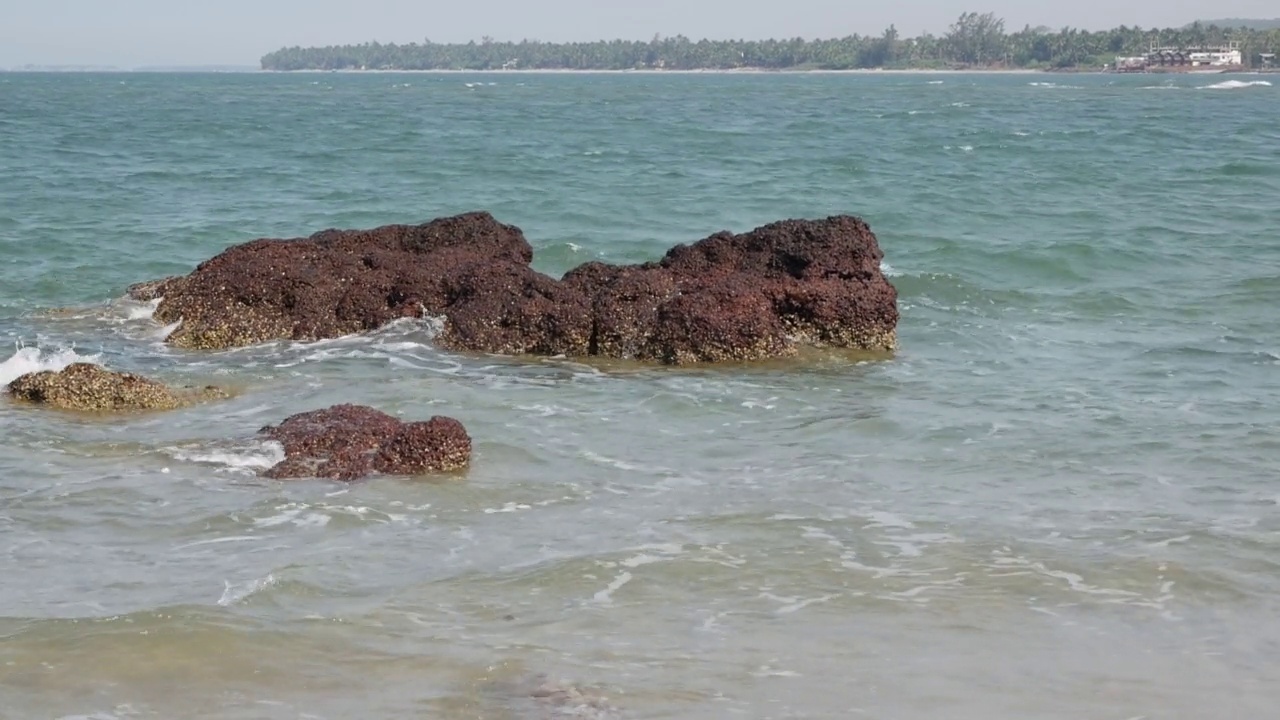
{"x": 152, "y": 289}
{"x": 89, "y": 387}
{"x": 755, "y": 295}
{"x": 347, "y": 442}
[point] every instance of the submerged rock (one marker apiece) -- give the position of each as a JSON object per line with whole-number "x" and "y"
{"x": 347, "y": 442}
{"x": 529, "y": 696}
{"x": 751, "y": 296}
{"x": 85, "y": 386}
{"x": 567, "y": 700}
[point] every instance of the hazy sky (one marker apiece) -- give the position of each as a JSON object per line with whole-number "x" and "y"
{"x": 130, "y": 33}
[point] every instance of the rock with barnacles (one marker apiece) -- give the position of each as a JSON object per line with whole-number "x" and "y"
{"x": 755, "y": 295}
{"x": 348, "y": 442}
{"x": 90, "y": 387}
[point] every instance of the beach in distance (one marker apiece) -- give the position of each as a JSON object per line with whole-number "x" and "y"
{"x": 706, "y": 71}
{"x": 977, "y": 41}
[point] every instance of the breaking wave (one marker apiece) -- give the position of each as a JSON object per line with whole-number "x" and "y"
{"x": 259, "y": 456}
{"x": 1236, "y": 85}
{"x": 33, "y": 359}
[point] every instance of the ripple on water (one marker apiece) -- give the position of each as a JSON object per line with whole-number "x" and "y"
{"x": 1058, "y": 487}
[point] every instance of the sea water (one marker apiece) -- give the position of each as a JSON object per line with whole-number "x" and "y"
{"x": 1060, "y": 499}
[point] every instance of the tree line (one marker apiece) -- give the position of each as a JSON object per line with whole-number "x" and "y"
{"x": 974, "y": 41}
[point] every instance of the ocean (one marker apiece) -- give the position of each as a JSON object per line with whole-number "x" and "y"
{"x": 1059, "y": 499}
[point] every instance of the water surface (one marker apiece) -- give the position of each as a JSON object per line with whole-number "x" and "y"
{"x": 1059, "y": 500}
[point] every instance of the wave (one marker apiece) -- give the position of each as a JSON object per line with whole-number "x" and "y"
{"x": 1236, "y": 85}
{"x": 135, "y": 310}
{"x": 258, "y": 456}
{"x": 233, "y": 593}
{"x": 33, "y": 359}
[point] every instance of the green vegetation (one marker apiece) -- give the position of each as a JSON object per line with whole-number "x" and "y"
{"x": 1244, "y": 23}
{"x": 974, "y": 41}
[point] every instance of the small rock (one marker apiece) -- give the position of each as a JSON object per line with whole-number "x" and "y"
{"x": 85, "y": 386}
{"x": 348, "y": 442}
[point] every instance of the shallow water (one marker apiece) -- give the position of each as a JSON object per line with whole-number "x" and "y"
{"x": 1058, "y": 500}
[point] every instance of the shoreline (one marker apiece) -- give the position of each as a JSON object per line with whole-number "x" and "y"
{"x": 789, "y": 71}
{"x": 652, "y": 71}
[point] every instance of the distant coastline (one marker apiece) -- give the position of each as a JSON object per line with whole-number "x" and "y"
{"x": 655, "y": 71}
{"x": 975, "y": 43}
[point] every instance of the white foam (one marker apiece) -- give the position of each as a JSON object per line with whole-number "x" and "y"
{"x": 1236, "y": 85}
{"x": 31, "y": 359}
{"x": 934, "y": 82}
{"x": 232, "y": 594}
{"x": 888, "y": 270}
{"x": 602, "y": 460}
{"x": 141, "y": 311}
{"x": 605, "y": 596}
{"x": 508, "y": 508}
{"x": 166, "y": 330}
{"x": 882, "y": 519}
{"x": 259, "y": 457}
{"x": 797, "y": 604}
{"x": 300, "y": 515}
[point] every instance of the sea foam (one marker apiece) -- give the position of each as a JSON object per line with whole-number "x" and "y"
{"x": 1236, "y": 85}
{"x": 33, "y": 359}
{"x": 260, "y": 456}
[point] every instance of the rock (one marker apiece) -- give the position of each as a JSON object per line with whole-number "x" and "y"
{"x": 85, "y": 386}
{"x": 152, "y": 289}
{"x": 512, "y": 310}
{"x": 624, "y": 302}
{"x": 568, "y": 700}
{"x": 332, "y": 284}
{"x": 728, "y": 297}
{"x": 347, "y": 442}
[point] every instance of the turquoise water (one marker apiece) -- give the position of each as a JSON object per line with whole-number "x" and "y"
{"x": 1059, "y": 500}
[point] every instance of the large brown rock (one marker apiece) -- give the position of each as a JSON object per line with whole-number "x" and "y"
{"x": 332, "y": 284}
{"x": 89, "y": 387}
{"x": 755, "y": 295}
{"x": 347, "y": 442}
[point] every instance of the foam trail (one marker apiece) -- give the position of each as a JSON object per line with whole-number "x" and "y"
{"x": 1236, "y": 85}
{"x": 31, "y": 359}
{"x": 260, "y": 457}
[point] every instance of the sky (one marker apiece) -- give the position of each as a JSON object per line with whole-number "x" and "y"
{"x": 133, "y": 33}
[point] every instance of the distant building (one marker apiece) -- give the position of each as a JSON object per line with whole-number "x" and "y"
{"x": 1184, "y": 59}
{"x": 1267, "y": 60}
{"x": 1131, "y": 64}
